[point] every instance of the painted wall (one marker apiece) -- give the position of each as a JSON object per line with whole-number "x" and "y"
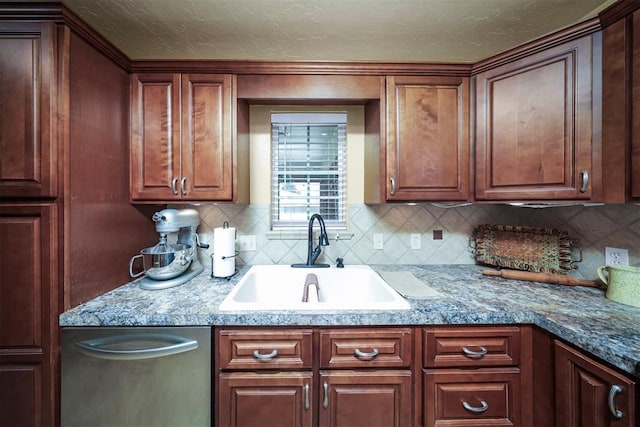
{"x": 260, "y": 149}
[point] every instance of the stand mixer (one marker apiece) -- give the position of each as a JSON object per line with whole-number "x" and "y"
{"x": 172, "y": 265}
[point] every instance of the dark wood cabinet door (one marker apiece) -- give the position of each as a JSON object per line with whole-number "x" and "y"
{"x": 620, "y": 101}
{"x": 155, "y": 137}
{"x": 28, "y": 302}
{"x": 379, "y": 398}
{"x": 248, "y": 399}
{"x": 635, "y": 105}
{"x": 427, "y": 138}
{"x": 534, "y": 126}
{"x": 27, "y": 111}
{"x": 207, "y": 155}
{"x": 589, "y": 394}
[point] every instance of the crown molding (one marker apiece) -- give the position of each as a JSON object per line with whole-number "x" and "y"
{"x": 617, "y": 11}
{"x": 548, "y": 41}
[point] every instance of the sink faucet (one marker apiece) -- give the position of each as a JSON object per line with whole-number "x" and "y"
{"x": 314, "y": 253}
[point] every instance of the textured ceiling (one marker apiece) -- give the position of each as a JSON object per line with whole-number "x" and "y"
{"x": 327, "y": 30}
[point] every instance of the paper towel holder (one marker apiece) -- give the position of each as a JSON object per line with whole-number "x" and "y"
{"x": 223, "y": 257}
{"x": 225, "y": 225}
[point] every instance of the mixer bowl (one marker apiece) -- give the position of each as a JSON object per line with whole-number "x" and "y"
{"x": 163, "y": 265}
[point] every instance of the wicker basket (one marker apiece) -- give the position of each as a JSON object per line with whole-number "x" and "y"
{"x": 543, "y": 250}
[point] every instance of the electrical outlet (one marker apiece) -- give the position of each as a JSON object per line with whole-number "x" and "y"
{"x": 246, "y": 243}
{"x": 378, "y": 241}
{"x": 616, "y": 256}
{"x": 416, "y": 241}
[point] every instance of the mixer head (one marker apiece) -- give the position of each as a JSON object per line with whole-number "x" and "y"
{"x": 171, "y": 220}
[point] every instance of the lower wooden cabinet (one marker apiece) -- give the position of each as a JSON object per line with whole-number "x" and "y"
{"x": 472, "y": 376}
{"x": 380, "y": 398}
{"x": 434, "y": 376}
{"x": 281, "y": 399}
{"x": 28, "y": 302}
{"x": 591, "y": 394}
{"x": 360, "y": 377}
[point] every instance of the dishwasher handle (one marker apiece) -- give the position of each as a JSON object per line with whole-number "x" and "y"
{"x": 99, "y": 347}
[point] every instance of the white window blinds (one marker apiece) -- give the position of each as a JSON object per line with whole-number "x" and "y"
{"x": 308, "y": 168}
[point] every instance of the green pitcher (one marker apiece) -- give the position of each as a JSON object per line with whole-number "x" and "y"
{"x": 623, "y": 283}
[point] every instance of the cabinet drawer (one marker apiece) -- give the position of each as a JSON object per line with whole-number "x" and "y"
{"x": 472, "y": 398}
{"x": 471, "y": 346}
{"x": 265, "y": 349}
{"x": 365, "y": 348}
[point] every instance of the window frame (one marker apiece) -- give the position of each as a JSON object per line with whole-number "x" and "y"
{"x": 309, "y": 119}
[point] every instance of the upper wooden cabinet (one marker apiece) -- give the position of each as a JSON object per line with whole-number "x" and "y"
{"x": 182, "y": 137}
{"x": 621, "y": 104}
{"x": 635, "y": 106}
{"x": 427, "y": 153}
{"x": 535, "y": 121}
{"x": 27, "y": 110}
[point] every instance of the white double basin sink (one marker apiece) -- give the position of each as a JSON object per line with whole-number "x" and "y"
{"x": 281, "y": 287}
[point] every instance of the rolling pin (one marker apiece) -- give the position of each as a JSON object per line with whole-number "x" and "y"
{"x": 543, "y": 278}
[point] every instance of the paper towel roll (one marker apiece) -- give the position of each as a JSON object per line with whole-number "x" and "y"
{"x": 224, "y": 251}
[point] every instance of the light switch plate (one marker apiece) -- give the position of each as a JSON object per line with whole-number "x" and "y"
{"x": 416, "y": 241}
{"x": 246, "y": 243}
{"x": 378, "y": 241}
{"x": 616, "y": 256}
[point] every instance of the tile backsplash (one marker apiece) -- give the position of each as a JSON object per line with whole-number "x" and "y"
{"x": 592, "y": 228}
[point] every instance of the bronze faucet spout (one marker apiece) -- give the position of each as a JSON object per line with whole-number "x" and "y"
{"x": 311, "y": 279}
{"x": 323, "y": 240}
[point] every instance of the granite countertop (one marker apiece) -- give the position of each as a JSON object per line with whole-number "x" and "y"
{"x": 579, "y": 315}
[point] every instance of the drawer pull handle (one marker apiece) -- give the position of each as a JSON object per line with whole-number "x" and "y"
{"x": 366, "y": 355}
{"x": 476, "y": 409}
{"x": 325, "y": 400}
{"x": 183, "y": 188}
{"x": 585, "y": 181}
{"x": 613, "y": 392}
{"x": 268, "y": 356}
{"x": 174, "y": 186}
{"x": 306, "y": 397}
{"x": 393, "y": 186}
{"x": 474, "y": 353}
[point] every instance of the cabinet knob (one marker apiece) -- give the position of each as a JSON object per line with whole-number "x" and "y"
{"x": 613, "y": 392}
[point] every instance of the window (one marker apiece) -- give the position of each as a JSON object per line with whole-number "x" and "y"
{"x": 308, "y": 169}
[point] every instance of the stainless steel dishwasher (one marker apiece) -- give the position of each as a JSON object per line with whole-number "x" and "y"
{"x": 129, "y": 376}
